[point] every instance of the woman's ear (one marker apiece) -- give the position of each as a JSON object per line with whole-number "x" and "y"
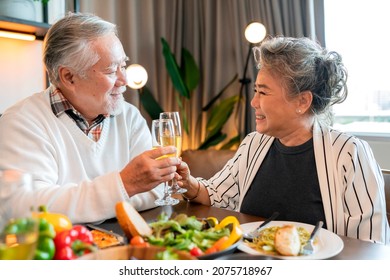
{"x": 305, "y": 99}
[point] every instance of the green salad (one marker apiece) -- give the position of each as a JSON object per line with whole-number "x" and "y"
{"x": 184, "y": 232}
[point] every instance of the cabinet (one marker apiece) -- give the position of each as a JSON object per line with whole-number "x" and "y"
{"x": 22, "y": 70}
{"x": 39, "y": 29}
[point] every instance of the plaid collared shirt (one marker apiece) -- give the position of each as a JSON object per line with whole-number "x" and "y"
{"x": 60, "y": 105}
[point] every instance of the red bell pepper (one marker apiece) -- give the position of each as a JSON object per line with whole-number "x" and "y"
{"x": 73, "y": 243}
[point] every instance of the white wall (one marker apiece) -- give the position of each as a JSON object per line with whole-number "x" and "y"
{"x": 21, "y": 72}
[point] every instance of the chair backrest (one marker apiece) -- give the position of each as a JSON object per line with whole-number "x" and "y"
{"x": 205, "y": 163}
{"x": 386, "y": 176}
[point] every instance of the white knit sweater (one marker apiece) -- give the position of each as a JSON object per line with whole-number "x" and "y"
{"x": 73, "y": 174}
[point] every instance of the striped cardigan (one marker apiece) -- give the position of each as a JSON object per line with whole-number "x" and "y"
{"x": 351, "y": 182}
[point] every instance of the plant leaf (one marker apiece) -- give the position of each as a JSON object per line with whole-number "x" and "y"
{"x": 185, "y": 124}
{"x": 220, "y": 114}
{"x": 173, "y": 70}
{"x": 233, "y": 141}
{"x": 207, "y": 107}
{"x": 213, "y": 140}
{"x": 182, "y": 114}
{"x": 149, "y": 103}
{"x": 189, "y": 70}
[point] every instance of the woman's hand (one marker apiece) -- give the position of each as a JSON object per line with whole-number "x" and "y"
{"x": 184, "y": 178}
{"x": 195, "y": 189}
{"x": 146, "y": 171}
{"x": 184, "y": 174}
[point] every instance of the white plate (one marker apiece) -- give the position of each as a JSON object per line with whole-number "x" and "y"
{"x": 329, "y": 244}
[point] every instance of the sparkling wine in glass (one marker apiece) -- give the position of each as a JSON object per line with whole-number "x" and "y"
{"x": 163, "y": 135}
{"x": 19, "y": 229}
{"x": 174, "y": 116}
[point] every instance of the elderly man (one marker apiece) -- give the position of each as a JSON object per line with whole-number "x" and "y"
{"x": 85, "y": 146}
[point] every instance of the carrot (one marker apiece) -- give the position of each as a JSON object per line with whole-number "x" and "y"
{"x": 217, "y": 245}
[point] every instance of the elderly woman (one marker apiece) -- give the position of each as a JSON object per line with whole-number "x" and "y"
{"x": 295, "y": 163}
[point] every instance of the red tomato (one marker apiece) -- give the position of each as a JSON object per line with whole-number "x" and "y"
{"x": 138, "y": 241}
{"x": 196, "y": 252}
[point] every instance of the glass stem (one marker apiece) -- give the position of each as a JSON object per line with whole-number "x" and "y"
{"x": 166, "y": 190}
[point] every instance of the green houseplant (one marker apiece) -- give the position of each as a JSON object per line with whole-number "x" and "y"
{"x": 44, "y": 2}
{"x": 185, "y": 79}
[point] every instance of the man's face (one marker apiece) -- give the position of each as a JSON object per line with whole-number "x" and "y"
{"x": 101, "y": 91}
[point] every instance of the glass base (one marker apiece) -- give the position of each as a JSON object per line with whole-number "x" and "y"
{"x": 177, "y": 189}
{"x": 166, "y": 201}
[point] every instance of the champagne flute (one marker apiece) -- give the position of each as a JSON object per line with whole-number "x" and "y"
{"x": 163, "y": 135}
{"x": 19, "y": 229}
{"x": 174, "y": 116}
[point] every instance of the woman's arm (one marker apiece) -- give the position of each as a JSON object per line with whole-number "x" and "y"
{"x": 196, "y": 191}
{"x": 364, "y": 197}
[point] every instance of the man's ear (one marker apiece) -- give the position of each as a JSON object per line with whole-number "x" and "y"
{"x": 66, "y": 76}
{"x": 305, "y": 99}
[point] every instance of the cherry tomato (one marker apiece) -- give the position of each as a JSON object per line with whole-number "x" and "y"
{"x": 138, "y": 241}
{"x": 196, "y": 252}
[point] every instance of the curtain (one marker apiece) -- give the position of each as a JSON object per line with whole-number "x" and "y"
{"x": 213, "y": 31}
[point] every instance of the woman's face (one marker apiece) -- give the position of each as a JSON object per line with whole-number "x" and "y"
{"x": 101, "y": 91}
{"x": 276, "y": 115}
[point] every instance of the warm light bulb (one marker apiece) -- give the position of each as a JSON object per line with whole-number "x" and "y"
{"x": 136, "y": 76}
{"x": 255, "y": 32}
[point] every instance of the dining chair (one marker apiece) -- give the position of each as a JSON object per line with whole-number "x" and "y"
{"x": 386, "y": 176}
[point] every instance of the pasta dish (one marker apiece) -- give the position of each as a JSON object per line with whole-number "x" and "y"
{"x": 265, "y": 242}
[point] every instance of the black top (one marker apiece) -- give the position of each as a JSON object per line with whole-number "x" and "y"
{"x": 286, "y": 182}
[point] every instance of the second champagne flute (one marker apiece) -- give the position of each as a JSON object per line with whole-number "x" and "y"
{"x": 163, "y": 135}
{"x": 174, "y": 116}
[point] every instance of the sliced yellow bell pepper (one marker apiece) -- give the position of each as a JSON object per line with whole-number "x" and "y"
{"x": 235, "y": 230}
{"x": 212, "y": 221}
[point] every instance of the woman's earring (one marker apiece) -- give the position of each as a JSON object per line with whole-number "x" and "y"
{"x": 298, "y": 111}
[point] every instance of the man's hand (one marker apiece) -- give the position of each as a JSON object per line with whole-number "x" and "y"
{"x": 148, "y": 170}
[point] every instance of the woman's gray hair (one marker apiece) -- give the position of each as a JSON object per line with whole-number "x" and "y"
{"x": 68, "y": 43}
{"x": 302, "y": 64}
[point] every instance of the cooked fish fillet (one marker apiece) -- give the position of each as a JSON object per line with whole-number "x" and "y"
{"x": 287, "y": 241}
